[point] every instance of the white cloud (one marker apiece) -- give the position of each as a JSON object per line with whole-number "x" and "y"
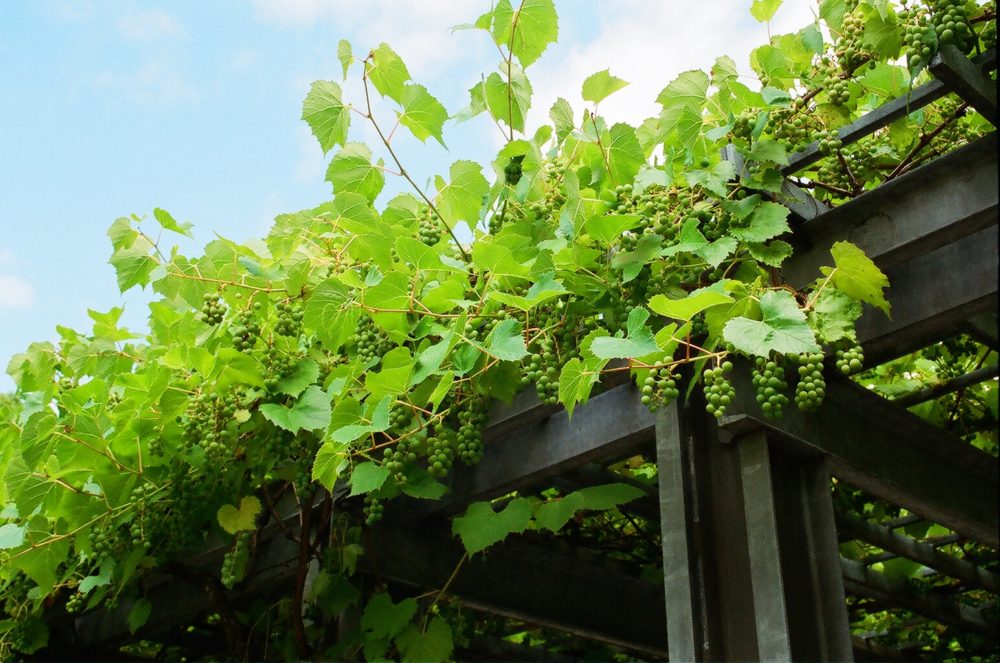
{"x": 149, "y": 25}
{"x": 649, "y": 44}
{"x": 15, "y": 293}
{"x": 6, "y": 257}
{"x": 152, "y": 82}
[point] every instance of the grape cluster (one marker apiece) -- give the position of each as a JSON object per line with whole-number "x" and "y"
{"x": 213, "y": 310}
{"x": 472, "y": 417}
{"x": 246, "y": 329}
{"x": 811, "y": 387}
{"x": 839, "y": 92}
{"x": 369, "y": 341}
{"x": 439, "y": 456}
{"x": 950, "y": 19}
{"x": 659, "y": 387}
{"x": 138, "y": 499}
{"x": 743, "y": 124}
{"x": 182, "y": 526}
{"x": 719, "y": 391}
{"x": 918, "y": 38}
{"x": 373, "y": 509}
{"x": 397, "y": 456}
{"x": 828, "y": 142}
{"x": 769, "y": 382}
{"x": 850, "y": 359}
{"x": 277, "y": 366}
{"x": 206, "y": 423}
{"x": 554, "y": 197}
{"x": 544, "y": 361}
{"x": 791, "y": 127}
{"x": 430, "y": 226}
{"x": 289, "y": 321}
{"x": 850, "y": 49}
{"x": 105, "y": 543}
{"x": 75, "y": 603}
{"x": 235, "y": 560}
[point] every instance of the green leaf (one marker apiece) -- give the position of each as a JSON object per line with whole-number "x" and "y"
{"x": 768, "y": 220}
{"x": 367, "y": 477}
{"x": 763, "y": 10}
{"x": 553, "y": 515}
{"x": 857, "y": 276}
{"x": 561, "y": 115}
{"x": 133, "y": 264}
{"x": 434, "y": 645}
{"x": 527, "y": 31}
{"x": 383, "y": 619}
{"x": 462, "y": 197}
{"x": 600, "y": 85}
{"x": 507, "y": 341}
{"x": 480, "y": 527}
{"x": 833, "y": 315}
{"x": 243, "y": 519}
{"x": 394, "y": 378}
{"x": 326, "y": 114}
{"x": 330, "y": 314}
{"x": 11, "y": 536}
{"x": 638, "y": 343}
{"x": 101, "y": 579}
{"x": 507, "y": 104}
{"x": 610, "y": 227}
{"x": 311, "y": 411}
{"x": 783, "y": 329}
{"x": 351, "y": 170}
{"x": 609, "y": 496}
{"x": 305, "y": 373}
{"x": 688, "y": 90}
{"x": 767, "y": 149}
{"x": 625, "y": 155}
{"x": 772, "y": 254}
{"x": 387, "y": 72}
{"x": 138, "y": 615}
{"x": 330, "y": 460}
{"x": 344, "y": 55}
{"x": 714, "y": 179}
{"x": 425, "y": 488}
{"x": 576, "y": 380}
{"x": 687, "y": 308}
{"x": 422, "y": 114}
{"x": 168, "y": 222}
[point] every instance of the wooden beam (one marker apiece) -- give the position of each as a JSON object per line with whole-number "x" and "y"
{"x": 951, "y": 67}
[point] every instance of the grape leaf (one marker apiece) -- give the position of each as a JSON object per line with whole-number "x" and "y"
{"x": 687, "y": 308}
{"x": 601, "y": 85}
{"x": 422, "y": 114}
{"x": 625, "y": 155}
{"x": 139, "y": 615}
{"x": 305, "y": 373}
{"x": 387, "y": 72}
{"x": 857, "y": 276}
{"x": 507, "y": 341}
{"x": 11, "y": 536}
{"x": 833, "y": 315}
{"x": 352, "y": 170}
{"x": 167, "y": 222}
{"x": 554, "y": 514}
{"x": 240, "y": 519}
{"x": 367, "y": 477}
{"x": 527, "y": 31}
{"x": 434, "y": 645}
{"x": 610, "y": 227}
{"x": 768, "y": 220}
{"x": 608, "y": 496}
{"x": 783, "y": 328}
{"x": 561, "y": 115}
{"x": 311, "y": 411}
{"x": 330, "y": 461}
{"x": 480, "y": 527}
{"x": 639, "y": 341}
{"x": 344, "y": 55}
{"x": 771, "y": 254}
{"x": 326, "y": 114}
{"x": 763, "y": 10}
{"x": 384, "y": 619}
{"x": 462, "y": 197}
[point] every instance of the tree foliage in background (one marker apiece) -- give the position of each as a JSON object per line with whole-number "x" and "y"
{"x": 354, "y": 350}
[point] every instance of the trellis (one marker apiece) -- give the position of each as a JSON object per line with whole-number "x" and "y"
{"x": 751, "y": 565}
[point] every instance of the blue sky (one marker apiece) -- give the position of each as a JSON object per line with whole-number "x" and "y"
{"x": 113, "y": 107}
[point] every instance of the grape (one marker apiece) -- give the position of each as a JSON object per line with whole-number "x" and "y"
{"x": 718, "y": 390}
{"x": 369, "y": 341}
{"x": 430, "y": 226}
{"x": 769, "y": 382}
{"x": 213, "y": 310}
{"x": 439, "y": 456}
{"x": 850, "y": 359}
{"x": 75, "y": 603}
{"x": 659, "y": 388}
{"x": 950, "y": 19}
{"x": 373, "y": 509}
{"x": 234, "y": 562}
{"x": 472, "y": 417}
{"x": 289, "y": 319}
{"x": 811, "y": 388}
{"x": 246, "y": 329}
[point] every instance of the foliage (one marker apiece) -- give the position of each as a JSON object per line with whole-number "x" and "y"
{"x": 357, "y": 346}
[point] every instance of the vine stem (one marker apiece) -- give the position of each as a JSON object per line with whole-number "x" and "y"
{"x": 302, "y": 647}
{"x": 925, "y": 140}
{"x": 447, "y": 584}
{"x": 402, "y": 171}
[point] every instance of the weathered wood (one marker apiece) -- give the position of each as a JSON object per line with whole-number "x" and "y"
{"x": 922, "y": 553}
{"x": 951, "y": 67}
{"x": 888, "y": 452}
{"x": 940, "y": 202}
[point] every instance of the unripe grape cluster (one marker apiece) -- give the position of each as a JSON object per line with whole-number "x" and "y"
{"x": 440, "y": 456}
{"x": 919, "y": 39}
{"x": 75, "y": 603}
{"x": 850, "y": 359}
{"x": 289, "y": 321}
{"x": 212, "y": 310}
{"x": 246, "y": 329}
{"x": 719, "y": 391}
{"x": 370, "y": 341}
{"x": 472, "y": 417}
{"x": 659, "y": 388}
{"x": 373, "y": 509}
{"x": 828, "y": 142}
{"x": 206, "y": 424}
{"x": 235, "y": 560}
{"x": 138, "y": 499}
{"x": 839, "y": 92}
{"x": 811, "y": 387}
{"x": 951, "y": 23}
{"x": 769, "y": 382}
{"x": 430, "y": 226}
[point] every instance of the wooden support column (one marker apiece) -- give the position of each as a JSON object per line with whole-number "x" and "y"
{"x": 751, "y": 564}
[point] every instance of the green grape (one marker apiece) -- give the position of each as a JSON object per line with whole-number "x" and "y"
{"x": 213, "y": 310}
{"x": 850, "y": 359}
{"x": 430, "y": 226}
{"x": 828, "y": 142}
{"x": 950, "y": 19}
{"x": 373, "y": 509}
{"x": 246, "y": 329}
{"x": 289, "y": 321}
{"x": 811, "y": 387}
{"x": 439, "y": 456}
{"x": 659, "y": 388}
{"x": 369, "y": 341}
{"x": 472, "y": 418}
{"x": 75, "y": 603}
{"x": 719, "y": 391}
{"x": 769, "y": 382}
{"x": 234, "y": 562}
